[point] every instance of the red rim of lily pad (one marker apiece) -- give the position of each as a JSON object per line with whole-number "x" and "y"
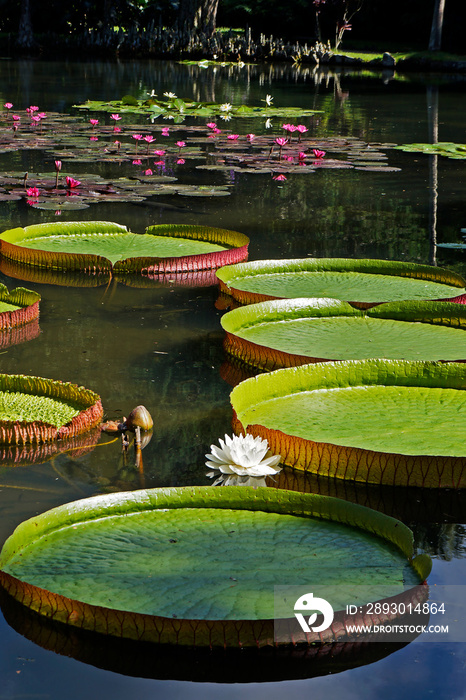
{"x": 38, "y": 431}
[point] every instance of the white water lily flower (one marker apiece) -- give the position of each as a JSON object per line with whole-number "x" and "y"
{"x": 268, "y": 100}
{"x": 225, "y": 117}
{"x": 226, "y": 107}
{"x": 151, "y": 94}
{"x": 170, "y": 95}
{"x": 243, "y": 455}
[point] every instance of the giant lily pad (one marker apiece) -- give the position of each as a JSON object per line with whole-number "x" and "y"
{"x": 36, "y": 410}
{"x": 363, "y": 283}
{"x": 287, "y": 333}
{"x": 180, "y": 565}
{"x": 376, "y": 421}
{"x": 98, "y": 246}
{"x": 17, "y": 307}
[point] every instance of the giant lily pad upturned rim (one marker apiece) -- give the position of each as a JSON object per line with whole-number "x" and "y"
{"x": 349, "y": 461}
{"x": 233, "y": 276}
{"x": 234, "y": 248}
{"x": 37, "y": 531}
{"x": 277, "y": 352}
{"x": 25, "y": 299}
{"x": 38, "y": 431}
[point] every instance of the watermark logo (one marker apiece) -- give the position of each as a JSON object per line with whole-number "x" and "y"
{"x": 308, "y": 604}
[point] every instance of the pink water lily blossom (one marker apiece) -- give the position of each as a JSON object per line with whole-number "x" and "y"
{"x": 302, "y": 155}
{"x": 16, "y": 118}
{"x": 279, "y": 178}
{"x": 211, "y": 125}
{"x": 137, "y": 137}
{"x": 250, "y": 137}
{"x": 94, "y": 122}
{"x": 33, "y": 108}
{"x": 137, "y": 162}
{"x": 71, "y": 182}
{"x": 281, "y": 141}
{"x": 180, "y": 161}
{"x": 58, "y": 165}
{"x": 165, "y": 130}
{"x": 159, "y": 153}
{"x": 8, "y": 105}
{"x": 115, "y": 117}
{"x": 233, "y": 137}
{"x": 148, "y": 172}
{"x": 317, "y": 153}
{"x": 149, "y": 138}
{"x": 181, "y": 144}
{"x": 33, "y": 192}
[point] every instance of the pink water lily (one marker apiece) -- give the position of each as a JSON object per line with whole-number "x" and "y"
{"x": 137, "y": 162}
{"x": 181, "y": 144}
{"x": 115, "y": 117}
{"x": 281, "y": 141}
{"x": 149, "y": 138}
{"x": 148, "y": 172}
{"x": 33, "y": 108}
{"x": 165, "y": 131}
{"x": 58, "y": 165}
{"x": 317, "y": 153}
{"x": 137, "y": 137}
{"x": 159, "y": 153}
{"x": 250, "y": 137}
{"x": 233, "y": 137}
{"x": 279, "y": 178}
{"x": 211, "y": 125}
{"x": 302, "y": 155}
{"x": 71, "y": 182}
{"x": 94, "y": 122}
{"x": 93, "y": 138}
{"x": 8, "y": 105}
{"x": 180, "y": 161}
{"x": 32, "y": 192}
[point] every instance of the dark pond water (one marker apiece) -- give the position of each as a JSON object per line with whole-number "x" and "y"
{"x": 162, "y": 346}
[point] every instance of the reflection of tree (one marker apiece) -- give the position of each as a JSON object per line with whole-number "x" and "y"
{"x": 448, "y": 541}
{"x": 432, "y": 121}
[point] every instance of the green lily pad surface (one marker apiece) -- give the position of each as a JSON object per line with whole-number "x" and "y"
{"x": 384, "y": 421}
{"x": 201, "y": 554}
{"x": 308, "y": 329}
{"x": 364, "y": 282}
{"x": 119, "y": 246}
{"x": 24, "y": 407}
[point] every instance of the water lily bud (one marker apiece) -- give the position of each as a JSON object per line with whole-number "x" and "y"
{"x": 140, "y": 417}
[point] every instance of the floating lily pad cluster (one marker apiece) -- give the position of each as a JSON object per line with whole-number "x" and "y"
{"x": 155, "y": 154}
{"x": 177, "y": 109}
{"x": 447, "y": 149}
